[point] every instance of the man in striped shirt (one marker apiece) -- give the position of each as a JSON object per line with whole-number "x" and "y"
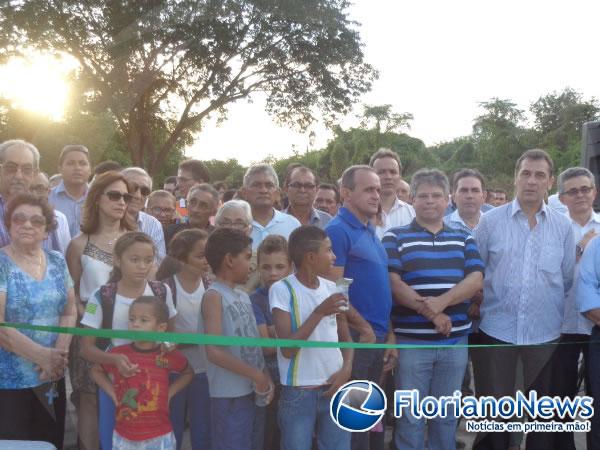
{"x": 434, "y": 271}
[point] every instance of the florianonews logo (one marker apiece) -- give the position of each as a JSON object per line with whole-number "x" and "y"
{"x": 358, "y": 405}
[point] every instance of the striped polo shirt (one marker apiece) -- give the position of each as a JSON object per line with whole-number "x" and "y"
{"x": 431, "y": 264}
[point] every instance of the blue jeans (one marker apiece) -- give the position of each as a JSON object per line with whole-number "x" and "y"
{"x": 303, "y": 412}
{"x": 232, "y": 422}
{"x": 366, "y": 365}
{"x": 194, "y": 400}
{"x": 434, "y": 372}
{"x": 106, "y": 419}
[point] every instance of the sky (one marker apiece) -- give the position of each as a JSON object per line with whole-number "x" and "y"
{"x": 438, "y": 60}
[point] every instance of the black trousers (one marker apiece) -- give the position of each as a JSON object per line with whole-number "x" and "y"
{"x": 565, "y": 377}
{"x": 496, "y": 377}
{"x": 24, "y": 417}
{"x": 367, "y": 365}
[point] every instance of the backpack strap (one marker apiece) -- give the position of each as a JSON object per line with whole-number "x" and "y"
{"x": 108, "y": 294}
{"x": 170, "y": 281}
{"x": 294, "y": 309}
{"x": 158, "y": 289}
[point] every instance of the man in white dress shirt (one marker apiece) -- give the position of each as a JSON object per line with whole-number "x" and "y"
{"x": 394, "y": 212}
{"x": 577, "y": 191}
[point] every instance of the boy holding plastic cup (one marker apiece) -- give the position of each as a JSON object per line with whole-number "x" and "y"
{"x": 306, "y": 306}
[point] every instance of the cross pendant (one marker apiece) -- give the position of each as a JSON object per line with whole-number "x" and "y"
{"x": 51, "y": 395}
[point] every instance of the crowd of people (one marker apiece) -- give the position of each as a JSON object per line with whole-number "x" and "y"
{"x": 433, "y": 262}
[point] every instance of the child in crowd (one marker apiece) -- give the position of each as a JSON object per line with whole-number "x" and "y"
{"x": 306, "y": 306}
{"x": 235, "y": 373}
{"x": 183, "y": 271}
{"x": 273, "y": 265}
{"x": 108, "y": 307}
{"x": 142, "y": 411}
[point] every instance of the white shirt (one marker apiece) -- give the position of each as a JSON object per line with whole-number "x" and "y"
{"x": 93, "y": 312}
{"x": 310, "y": 366}
{"x": 555, "y": 203}
{"x": 574, "y": 322}
{"x": 189, "y": 320}
{"x": 151, "y": 226}
{"x": 281, "y": 223}
{"x": 454, "y": 220}
{"x": 63, "y": 235}
{"x": 400, "y": 214}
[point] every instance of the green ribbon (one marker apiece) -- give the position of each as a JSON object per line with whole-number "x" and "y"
{"x": 239, "y": 341}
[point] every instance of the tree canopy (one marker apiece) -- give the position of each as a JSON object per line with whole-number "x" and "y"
{"x": 161, "y": 67}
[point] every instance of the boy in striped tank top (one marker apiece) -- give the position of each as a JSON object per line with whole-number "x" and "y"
{"x": 306, "y": 306}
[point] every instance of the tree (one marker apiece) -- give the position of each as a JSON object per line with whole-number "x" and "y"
{"x": 384, "y": 119}
{"x": 559, "y": 117}
{"x": 162, "y": 67}
{"x": 499, "y": 137}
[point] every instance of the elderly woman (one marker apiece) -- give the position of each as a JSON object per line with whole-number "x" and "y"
{"x": 238, "y": 214}
{"x": 36, "y": 289}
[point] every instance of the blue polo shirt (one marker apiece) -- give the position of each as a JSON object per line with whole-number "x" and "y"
{"x": 431, "y": 264}
{"x": 358, "y": 250}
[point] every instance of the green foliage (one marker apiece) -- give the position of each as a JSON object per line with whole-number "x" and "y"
{"x": 162, "y": 67}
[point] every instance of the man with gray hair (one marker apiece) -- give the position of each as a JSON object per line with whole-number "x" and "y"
{"x": 529, "y": 255}
{"x": 202, "y": 202}
{"x": 394, "y": 212}
{"x": 259, "y": 190}
{"x": 577, "y": 191}
{"x": 434, "y": 271}
{"x": 142, "y": 187}
{"x": 19, "y": 164}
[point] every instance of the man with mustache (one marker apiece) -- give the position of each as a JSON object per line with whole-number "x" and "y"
{"x": 19, "y": 166}
{"x": 469, "y": 196}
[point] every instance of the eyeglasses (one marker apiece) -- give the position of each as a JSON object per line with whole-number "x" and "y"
{"x": 12, "y": 169}
{"x": 158, "y": 211}
{"x": 574, "y": 192}
{"x": 36, "y": 221}
{"x": 240, "y": 224}
{"x": 116, "y": 196}
{"x": 144, "y": 190}
{"x": 307, "y": 186}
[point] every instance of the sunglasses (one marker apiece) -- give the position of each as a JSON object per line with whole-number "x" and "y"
{"x": 35, "y": 221}
{"x": 115, "y": 196}
{"x": 144, "y": 190}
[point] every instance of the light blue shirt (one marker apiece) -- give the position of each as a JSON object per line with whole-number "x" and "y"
{"x": 575, "y": 322}
{"x": 317, "y": 218}
{"x": 455, "y": 221}
{"x": 528, "y": 273}
{"x": 281, "y": 223}
{"x": 152, "y": 227}
{"x": 588, "y": 282}
{"x": 63, "y": 202}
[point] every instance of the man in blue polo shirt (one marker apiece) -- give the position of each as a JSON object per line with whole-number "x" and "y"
{"x": 434, "y": 271}
{"x": 361, "y": 256}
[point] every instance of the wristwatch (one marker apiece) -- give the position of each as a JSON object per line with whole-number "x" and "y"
{"x": 578, "y": 251}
